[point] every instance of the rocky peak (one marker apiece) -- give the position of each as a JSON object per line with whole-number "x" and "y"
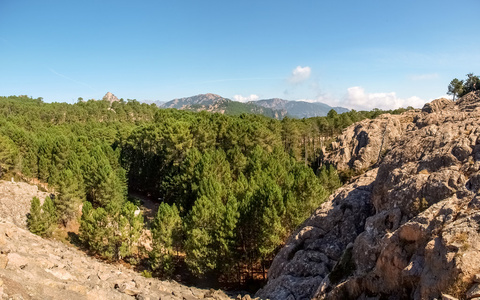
{"x": 408, "y": 228}
{"x": 110, "y": 98}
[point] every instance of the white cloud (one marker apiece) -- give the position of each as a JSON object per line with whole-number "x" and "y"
{"x": 241, "y": 98}
{"x": 358, "y": 99}
{"x": 300, "y": 74}
{"x": 418, "y": 77}
{"x": 308, "y": 100}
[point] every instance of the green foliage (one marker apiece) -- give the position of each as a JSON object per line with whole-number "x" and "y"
{"x": 166, "y": 233}
{"x": 210, "y": 234}
{"x": 455, "y": 88}
{"x": 111, "y": 234}
{"x": 232, "y": 187}
{"x": 34, "y": 219}
{"x": 329, "y": 178}
{"x": 50, "y": 217}
{"x": 8, "y": 155}
{"x": 459, "y": 88}
{"x": 71, "y": 195}
{"x": 42, "y": 220}
{"x": 147, "y": 274}
{"x": 472, "y": 83}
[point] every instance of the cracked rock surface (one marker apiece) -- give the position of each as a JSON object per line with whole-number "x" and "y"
{"x": 409, "y": 228}
{"x": 35, "y": 268}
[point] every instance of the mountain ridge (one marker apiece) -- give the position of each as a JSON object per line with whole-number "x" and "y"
{"x": 299, "y": 109}
{"x": 274, "y": 107}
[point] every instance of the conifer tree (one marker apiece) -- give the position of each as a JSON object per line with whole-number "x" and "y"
{"x": 131, "y": 225}
{"x": 166, "y": 232}
{"x": 49, "y": 216}
{"x": 70, "y": 197}
{"x": 35, "y": 221}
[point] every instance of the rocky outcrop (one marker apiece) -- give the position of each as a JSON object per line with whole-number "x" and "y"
{"x": 361, "y": 145}
{"x": 312, "y": 251}
{"x": 414, "y": 229}
{"x": 35, "y": 268}
{"x": 15, "y": 199}
{"x": 110, "y": 98}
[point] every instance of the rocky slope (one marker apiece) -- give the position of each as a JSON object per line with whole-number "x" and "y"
{"x": 15, "y": 199}
{"x": 408, "y": 228}
{"x": 36, "y": 268}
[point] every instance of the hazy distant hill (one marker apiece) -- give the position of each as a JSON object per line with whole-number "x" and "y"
{"x": 156, "y": 102}
{"x": 216, "y": 103}
{"x": 274, "y": 108}
{"x": 299, "y": 109}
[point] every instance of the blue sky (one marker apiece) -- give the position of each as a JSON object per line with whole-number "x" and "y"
{"x": 357, "y": 54}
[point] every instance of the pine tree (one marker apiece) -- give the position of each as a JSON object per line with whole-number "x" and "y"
{"x": 49, "y": 216}
{"x": 166, "y": 232}
{"x": 8, "y": 154}
{"x": 111, "y": 234}
{"x": 70, "y": 197}
{"x": 35, "y": 221}
{"x": 131, "y": 225}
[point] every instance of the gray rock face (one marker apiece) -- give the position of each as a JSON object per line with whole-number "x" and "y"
{"x": 413, "y": 229}
{"x": 35, "y": 268}
{"x": 312, "y": 251}
{"x": 15, "y": 199}
{"x": 360, "y": 145}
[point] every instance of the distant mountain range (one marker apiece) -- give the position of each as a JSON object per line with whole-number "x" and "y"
{"x": 299, "y": 109}
{"x": 274, "y": 108}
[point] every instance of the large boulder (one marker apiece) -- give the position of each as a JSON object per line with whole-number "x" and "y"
{"x": 361, "y": 145}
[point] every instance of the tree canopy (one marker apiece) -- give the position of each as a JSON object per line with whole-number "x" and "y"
{"x": 458, "y": 88}
{"x": 230, "y": 188}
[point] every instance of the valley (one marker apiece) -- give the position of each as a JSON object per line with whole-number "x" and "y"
{"x": 147, "y": 191}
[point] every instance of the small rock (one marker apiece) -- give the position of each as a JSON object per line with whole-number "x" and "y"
{"x": 103, "y": 276}
{"x": 474, "y": 291}
{"x": 128, "y": 288}
{"x": 15, "y": 261}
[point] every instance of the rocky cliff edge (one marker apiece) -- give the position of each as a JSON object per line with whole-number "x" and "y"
{"x": 409, "y": 227}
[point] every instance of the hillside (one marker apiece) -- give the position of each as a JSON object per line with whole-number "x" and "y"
{"x": 408, "y": 226}
{"x": 36, "y": 268}
{"x": 216, "y": 103}
{"x": 299, "y": 109}
{"x": 273, "y": 108}
{"x": 215, "y": 180}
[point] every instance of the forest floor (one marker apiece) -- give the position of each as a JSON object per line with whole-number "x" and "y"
{"x": 148, "y": 206}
